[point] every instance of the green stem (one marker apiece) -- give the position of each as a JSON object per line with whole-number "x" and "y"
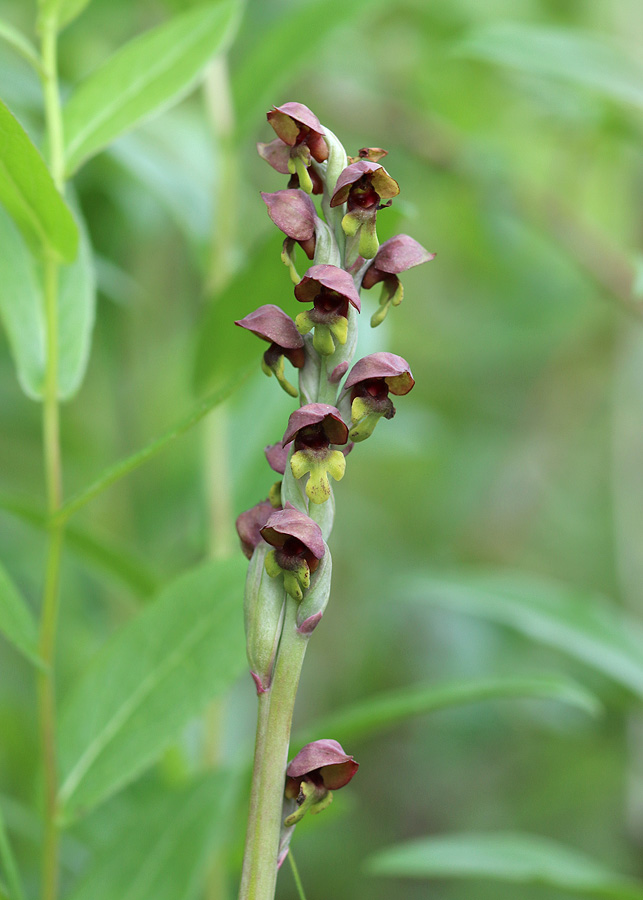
{"x": 276, "y": 707}
{"x": 53, "y": 481}
{"x": 295, "y": 875}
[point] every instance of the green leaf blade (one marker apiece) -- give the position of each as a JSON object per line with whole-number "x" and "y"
{"x": 151, "y": 679}
{"x": 21, "y": 308}
{"x": 569, "y": 55}
{"x": 579, "y": 624}
{"x": 143, "y": 77}
{"x": 29, "y": 194}
{"x": 17, "y": 623}
{"x": 76, "y": 312}
{"x": 164, "y": 846}
{"x": 506, "y": 856}
{"x": 388, "y": 709}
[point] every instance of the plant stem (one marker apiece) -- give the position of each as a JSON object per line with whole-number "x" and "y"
{"x": 53, "y": 481}
{"x": 274, "y": 720}
{"x": 295, "y": 875}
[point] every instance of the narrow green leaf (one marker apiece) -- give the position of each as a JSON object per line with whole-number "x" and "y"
{"x": 9, "y": 865}
{"x": 16, "y": 621}
{"x": 580, "y": 59}
{"x": 21, "y": 44}
{"x": 222, "y": 347}
{"x": 154, "y": 676}
{"x": 102, "y": 552}
{"x": 76, "y": 310}
{"x": 29, "y": 194}
{"x": 21, "y": 308}
{"x": 144, "y": 77}
{"x": 282, "y": 49}
{"x": 583, "y": 626}
{"x": 384, "y": 710}
{"x": 507, "y": 856}
{"x": 129, "y": 464}
{"x": 163, "y": 850}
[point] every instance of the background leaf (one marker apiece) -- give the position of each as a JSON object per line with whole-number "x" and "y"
{"x": 222, "y": 347}
{"x": 149, "y": 681}
{"x": 146, "y": 75}
{"x": 582, "y": 59}
{"x": 29, "y": 194}
{"x": 384, "y": 710}
{"x": 16, "y": 620}
{"x": 281, "y": 49}
{"x": 164, "y": 847}
{"x": 579, "y": 624}
{"x": 76, "y": 310}
{"x": 20, "y": 44}
{"x": 21, "y": 308}
{"x": 513, "y": 857}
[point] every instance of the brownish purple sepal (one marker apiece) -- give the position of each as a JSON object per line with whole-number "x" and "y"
{"x": 330, "y": 426}
{"x": 363, "y": 184}
{"x": 250, "y": 523}
{"x": 293, "y": 212}
{"x": 369, "y": 383}
{"x": 295, "y": 124}
{"x": 392, "y": 369}
{"x": 277, "y": 456}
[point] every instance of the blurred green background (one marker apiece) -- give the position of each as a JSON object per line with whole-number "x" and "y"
{"x": 514, "y": 130}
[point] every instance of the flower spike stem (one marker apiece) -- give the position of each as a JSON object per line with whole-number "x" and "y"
{"x": 285, "y": 538}
{"x": 274, "y": 719}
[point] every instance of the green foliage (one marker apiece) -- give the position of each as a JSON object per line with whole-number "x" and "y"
{"x": 516, "y": 858}
{"x": 580, "y": 59}
{"x": 574, "y": 621}
{"x": 21, "y": 44}
{"x": 144, "y": 77}
{"x": 150, "y": 680}
{"x": 16, "y": 619}
{"x": 164, "y": 845}
{"x": 29, "y": 194}
{"x": 383, "y": 711}
{"x": 21, "y": 308}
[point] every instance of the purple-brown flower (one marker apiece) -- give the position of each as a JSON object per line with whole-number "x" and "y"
{"x": 271, "y": 324}
{"x": 300, "y": 139}
{"x": 362, "y": 186}
{"x": 331, "y": 291}
{"x": 396, "y": 255}
{"x": 294, "y": 213}
{"x": 250, "y": 523}
{"x": 299, "y": 546}
{"x": 315, "y": 428}
{"x": 318, "y": 769}
{"x": 369, "y": 382}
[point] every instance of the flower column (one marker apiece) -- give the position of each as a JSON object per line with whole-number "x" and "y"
{"x": 285, "y": 537}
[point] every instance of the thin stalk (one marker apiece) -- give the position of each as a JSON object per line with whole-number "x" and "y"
{"x": 276, "y": 706}
{"x": 295, "y": 875}
{"x": 53, "y": 482}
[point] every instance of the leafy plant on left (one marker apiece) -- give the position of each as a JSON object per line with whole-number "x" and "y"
{"x": 47, "y": 302}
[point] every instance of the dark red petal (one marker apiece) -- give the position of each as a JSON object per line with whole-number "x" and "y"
{"x": 328, "y": 757}
{"x": 393, "y": 369}
{"x": 400, "y": 253}
{"x": 299, "y": 113}
{"x": 289, "y": 522}
{"x": 330, "y": 277}
{"x": 276, "y": 154}
{"x": 293, "y": 212}
{"x": 272, "y": 324}
{"x": 277, "y": 457}
{"x": 334, "y": 427}
{"x": 250, "y": 523}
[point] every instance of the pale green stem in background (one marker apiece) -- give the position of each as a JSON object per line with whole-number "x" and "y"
{"x": 295, "y": 875}
{"x": 276, "y": 707}
{"x": 53, "y": 480}
{"x": 218, "y": 481}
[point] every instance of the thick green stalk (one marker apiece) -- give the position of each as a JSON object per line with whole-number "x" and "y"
{"x": 53, "y": 481}
{"x": 276, "y": 707}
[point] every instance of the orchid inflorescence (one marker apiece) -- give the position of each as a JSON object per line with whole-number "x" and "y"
{"x": 285, "y": 537}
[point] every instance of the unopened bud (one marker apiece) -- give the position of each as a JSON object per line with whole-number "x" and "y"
{"x": 263, "y": 608}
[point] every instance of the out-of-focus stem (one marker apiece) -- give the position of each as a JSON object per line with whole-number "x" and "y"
{"x": 53, "y": 480}
{"x": 276, "y": 706}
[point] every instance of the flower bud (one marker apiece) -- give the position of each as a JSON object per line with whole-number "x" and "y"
{"x": 312, "y": 607}
{"x": 263, "y": 609}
